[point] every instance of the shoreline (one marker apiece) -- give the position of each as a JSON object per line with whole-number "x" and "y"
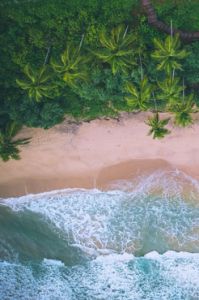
{"x": 99, "y": 179}
{"x": 94, "y": 154}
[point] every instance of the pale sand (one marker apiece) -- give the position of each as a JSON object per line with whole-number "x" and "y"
{"x": 93, "y": 154}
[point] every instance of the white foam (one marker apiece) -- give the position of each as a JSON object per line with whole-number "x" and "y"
{"x": 109, "y": 227}
{"x": 115, "y": 276}
{"x": 128, "y": 277}
{"x": 53, "y": 262}
{"x": 111, "y": 258}
{"x": 171, "y": 254}
{"x": 122, "y": 221}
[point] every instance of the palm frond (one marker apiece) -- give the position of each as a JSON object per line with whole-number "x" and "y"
{"x": 157, "y": 129}
{"x": 167, "y": 53}
{"x": 115, "y": 46}
{"x": 72, "y": 65}
{"x": 140, "y": 96}
{"x": 8, "y": 144}
{"x": 37, "y": 83}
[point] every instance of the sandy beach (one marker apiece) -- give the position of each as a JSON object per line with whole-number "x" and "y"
{"x": 95, "y": 153}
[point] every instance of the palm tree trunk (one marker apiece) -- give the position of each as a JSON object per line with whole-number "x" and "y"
{"x": 183, "y": 91}
{"x": 153, "y": 20}
{"x": 156, "y": 108}
{"x": 173, "y": 75}
{"x": 171, "y": 28}
{"x": 141, "y": 67}
{"x": 81, "y": 42}
{"x": 47, "y": 55}
{"x": 125, "y": 31}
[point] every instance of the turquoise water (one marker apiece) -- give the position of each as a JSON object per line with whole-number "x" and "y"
{"x": 139, "y": 240}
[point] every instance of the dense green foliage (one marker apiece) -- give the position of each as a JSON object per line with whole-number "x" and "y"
{"x": 90, "y": 59}
{"x": 184, "y": 13}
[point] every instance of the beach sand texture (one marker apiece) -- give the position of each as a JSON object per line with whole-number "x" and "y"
{"x": 94, "y": 153}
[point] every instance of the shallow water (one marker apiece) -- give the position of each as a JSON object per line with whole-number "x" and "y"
{"x": 139, "y": 240}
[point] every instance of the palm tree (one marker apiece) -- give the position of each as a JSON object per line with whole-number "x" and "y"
{"x": 72, "y": 66}
{"x": 170, "y": 89}
{"x": 117, "y": 49}
{"x": 183, "y": 110}
{"x": 140, "y": 97}
{"x": 37, "y": 83}
{"x": 168, "y": 53}
{"x": 8, "y": 146}
{"x": 158, "y": 129}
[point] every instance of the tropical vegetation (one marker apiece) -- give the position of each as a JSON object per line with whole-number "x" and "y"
{"x": 9, "y": 145}
{"x": 140, "y": 96}
{"x": 158, "y": 129}
{"x": 117, "y": 49}
{"x": 168, "y": 54}
{"x": 72, "y": 66}
{"x": 37, "y": 83}
{"x": 90, "y": 59}
{"x": 183, "y": 110}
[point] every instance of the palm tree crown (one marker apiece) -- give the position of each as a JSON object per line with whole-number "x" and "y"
{"x": 168, "y": 53}
{"x": 37, "y": 83}
{"x": 8, "y": 146}
{"x": 170, "y": 90}
{"x": 140, "y": 97}
{"x": 72, "y": 65}
{"x": 183, "y": 109}
{"x": 117, "y": 49}
{"x": 158, "y": 129}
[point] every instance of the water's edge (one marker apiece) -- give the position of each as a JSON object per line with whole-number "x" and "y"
{"x": 139, "y": 241}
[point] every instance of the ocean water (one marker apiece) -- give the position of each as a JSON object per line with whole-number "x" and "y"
{"x": 138, "y": 240}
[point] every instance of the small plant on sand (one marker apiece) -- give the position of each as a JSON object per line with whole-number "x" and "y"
{"x": 158, "y": 129}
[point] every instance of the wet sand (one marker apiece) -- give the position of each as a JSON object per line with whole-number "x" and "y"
{"x": 91, "y": 155}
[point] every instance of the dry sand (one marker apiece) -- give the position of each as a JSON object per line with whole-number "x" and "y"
{"x": 95, "y": 153}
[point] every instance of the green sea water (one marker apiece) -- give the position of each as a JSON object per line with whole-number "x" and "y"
{"x": 138, "y": 240}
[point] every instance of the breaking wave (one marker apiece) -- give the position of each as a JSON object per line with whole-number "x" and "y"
{"x": 138, "y": 240}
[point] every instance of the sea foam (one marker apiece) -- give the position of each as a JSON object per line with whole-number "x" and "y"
{"x": 139, "y": 242}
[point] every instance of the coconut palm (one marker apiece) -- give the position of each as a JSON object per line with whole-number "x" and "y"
{"x": 37, "y": 83}
{"x": 8, "y": 146}
{"x": 168, "y": 53}
{"x": 140, "y": 97}
{"x": 182, "y": 110}
{"x": 170, "y": 90}
{"x": 72, "y": 65}
{"x": 117, "y": 49}
{"x": 158, "y": 129}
